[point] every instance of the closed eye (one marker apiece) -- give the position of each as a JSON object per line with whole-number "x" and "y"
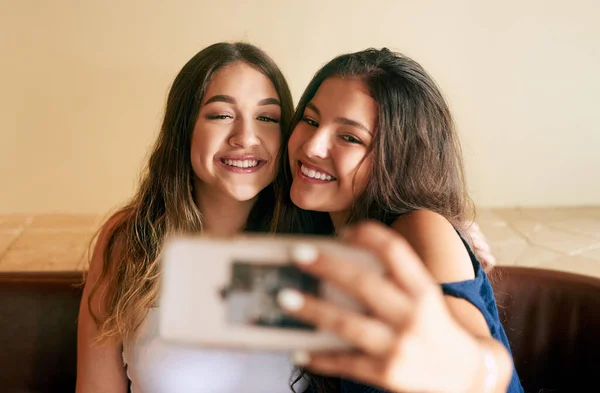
{"x": 310, "y": 121}
{"x": 268, "y": 119}
{"x": 219, "y": 117}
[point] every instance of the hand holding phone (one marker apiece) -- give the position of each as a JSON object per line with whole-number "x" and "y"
{"x": 222, "y": 292}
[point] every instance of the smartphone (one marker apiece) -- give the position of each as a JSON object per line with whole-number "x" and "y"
{"x": 222, "y": 292}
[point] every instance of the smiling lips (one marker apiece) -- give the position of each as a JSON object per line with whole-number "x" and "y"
{"x": 241, "y": 164}
{"x": 312, "y": 174}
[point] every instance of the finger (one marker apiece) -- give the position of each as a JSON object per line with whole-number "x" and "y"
{"x": 368, "y": 334}
{"x": 488, "y": 261}
{"x": 478, "y": 238}
{"x": 480, "y": 243}
{"x": 396, "y": 254}
{"x": 353, "y": 366}
{"x": 379, "y": 294}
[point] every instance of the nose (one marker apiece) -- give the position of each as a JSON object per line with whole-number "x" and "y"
{"x": 243, "y": 135}
{"x": 317, "y": 145}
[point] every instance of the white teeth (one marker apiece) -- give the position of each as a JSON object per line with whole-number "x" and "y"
{"x": 241, "y": 163}
{"x": 314, "y": 174}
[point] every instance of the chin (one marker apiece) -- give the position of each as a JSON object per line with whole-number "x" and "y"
{"x": 244, "y": 194}
{"x": 305, "y": 202}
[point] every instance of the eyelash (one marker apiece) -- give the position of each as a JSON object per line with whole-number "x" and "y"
{"x": 219, "y": 117}
{"x": 351, "y": 139}
{"x": 265, "y": 119}
{"x": 310, "y": 121}
{"x": 268, "y": 119}
{"x": 346, "y": 138}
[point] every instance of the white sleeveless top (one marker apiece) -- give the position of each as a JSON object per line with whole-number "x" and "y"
{"x": 154, "y": 366}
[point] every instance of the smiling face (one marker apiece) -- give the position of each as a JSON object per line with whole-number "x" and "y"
{"x": 328, "y": 147}
{"x": 237, "y": 134}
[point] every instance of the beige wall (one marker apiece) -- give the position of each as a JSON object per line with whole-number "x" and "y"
{"x": 82, "y": 86}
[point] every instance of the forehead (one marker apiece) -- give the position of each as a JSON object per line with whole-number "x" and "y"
{"x": 346, "y": 97}
{"x": 241, "y": 81}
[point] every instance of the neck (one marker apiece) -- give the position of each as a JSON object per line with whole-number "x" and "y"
{"x": 339, "y": 220}
{"x": 222, "y": 215}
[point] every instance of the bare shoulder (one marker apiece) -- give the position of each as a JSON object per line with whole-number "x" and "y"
{"x": 99, "y": 366}
{"x": 103, "y": 237}
{"x": 97, "y": 266}
{"x": 438, "y": 244}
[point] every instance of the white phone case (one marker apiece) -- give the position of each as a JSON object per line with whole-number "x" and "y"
{"x": 207, "y": 297}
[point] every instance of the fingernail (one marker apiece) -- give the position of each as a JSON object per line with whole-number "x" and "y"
{"x": 290, "y": 299}
{"x": 300, "y": 358}
{"x": 304, "y": 254}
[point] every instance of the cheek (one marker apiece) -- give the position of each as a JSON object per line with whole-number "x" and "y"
{"x": 350, "y": 163}
{"x": 203, "y": 149}
{"x": 196, "y": 145}
{"x": 296, "y": 139}
{"x": 207, "y": 139}
{"x": 362, "y": 174}
{"x": 199, "y": 137}
{"x": 199, "y": 149}
{"x": 273, "y": 144}
{"x": 197, "y": 158}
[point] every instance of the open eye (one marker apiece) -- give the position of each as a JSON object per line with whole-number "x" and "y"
{"x": 351, "y": 139}
{"x": 310, "y": 121}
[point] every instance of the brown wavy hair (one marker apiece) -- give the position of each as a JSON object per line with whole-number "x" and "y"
{"x": 417, "y": 159}
{"x": 164, "y": 202}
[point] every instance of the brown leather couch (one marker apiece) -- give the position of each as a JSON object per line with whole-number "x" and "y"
{"x": 552, "y": 320}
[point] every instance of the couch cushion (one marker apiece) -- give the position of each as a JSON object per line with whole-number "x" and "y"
{"x": 38, "y": 331}
{"x": 552, "y": 320}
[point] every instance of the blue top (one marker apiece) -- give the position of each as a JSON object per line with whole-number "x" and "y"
{"x": 478, "y": 292}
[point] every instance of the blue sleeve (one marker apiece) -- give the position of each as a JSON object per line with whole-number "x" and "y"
{"x": 478, "y": 292}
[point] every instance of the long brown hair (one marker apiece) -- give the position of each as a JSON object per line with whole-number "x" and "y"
{"x": 164, "y": 202}
{"x": 417, "y": 159}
